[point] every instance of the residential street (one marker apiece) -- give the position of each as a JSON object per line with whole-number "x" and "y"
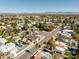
{"x": 25, "y": 55}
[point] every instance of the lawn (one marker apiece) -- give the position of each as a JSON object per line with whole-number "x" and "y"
{"x": 68, "y": 54}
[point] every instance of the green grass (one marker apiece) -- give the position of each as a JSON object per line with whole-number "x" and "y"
{"x": 70, "y": 56}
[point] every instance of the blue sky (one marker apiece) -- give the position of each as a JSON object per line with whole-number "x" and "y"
{"x": 39, "y": 5}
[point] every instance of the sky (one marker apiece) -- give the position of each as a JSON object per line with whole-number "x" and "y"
{"x": 31, "y": 6}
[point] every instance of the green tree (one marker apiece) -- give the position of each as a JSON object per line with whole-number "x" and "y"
{"x": 50, "y": 43}
{"x": 13, "y": 25}
{"x": 76, "y": 37}
{"x": 36, "y": 45}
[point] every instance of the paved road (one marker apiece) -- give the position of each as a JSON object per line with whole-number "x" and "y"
{"x": 25, "y": 55}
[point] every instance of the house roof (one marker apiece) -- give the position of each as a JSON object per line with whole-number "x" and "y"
{"x": 2, "y": 40}
{"x": 61, "y": 46}
{"x": 43, "y": 54}
{"x": 37, "y": 57}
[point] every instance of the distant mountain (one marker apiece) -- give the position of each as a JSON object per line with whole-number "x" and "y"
{"x": 45, "y": 13}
